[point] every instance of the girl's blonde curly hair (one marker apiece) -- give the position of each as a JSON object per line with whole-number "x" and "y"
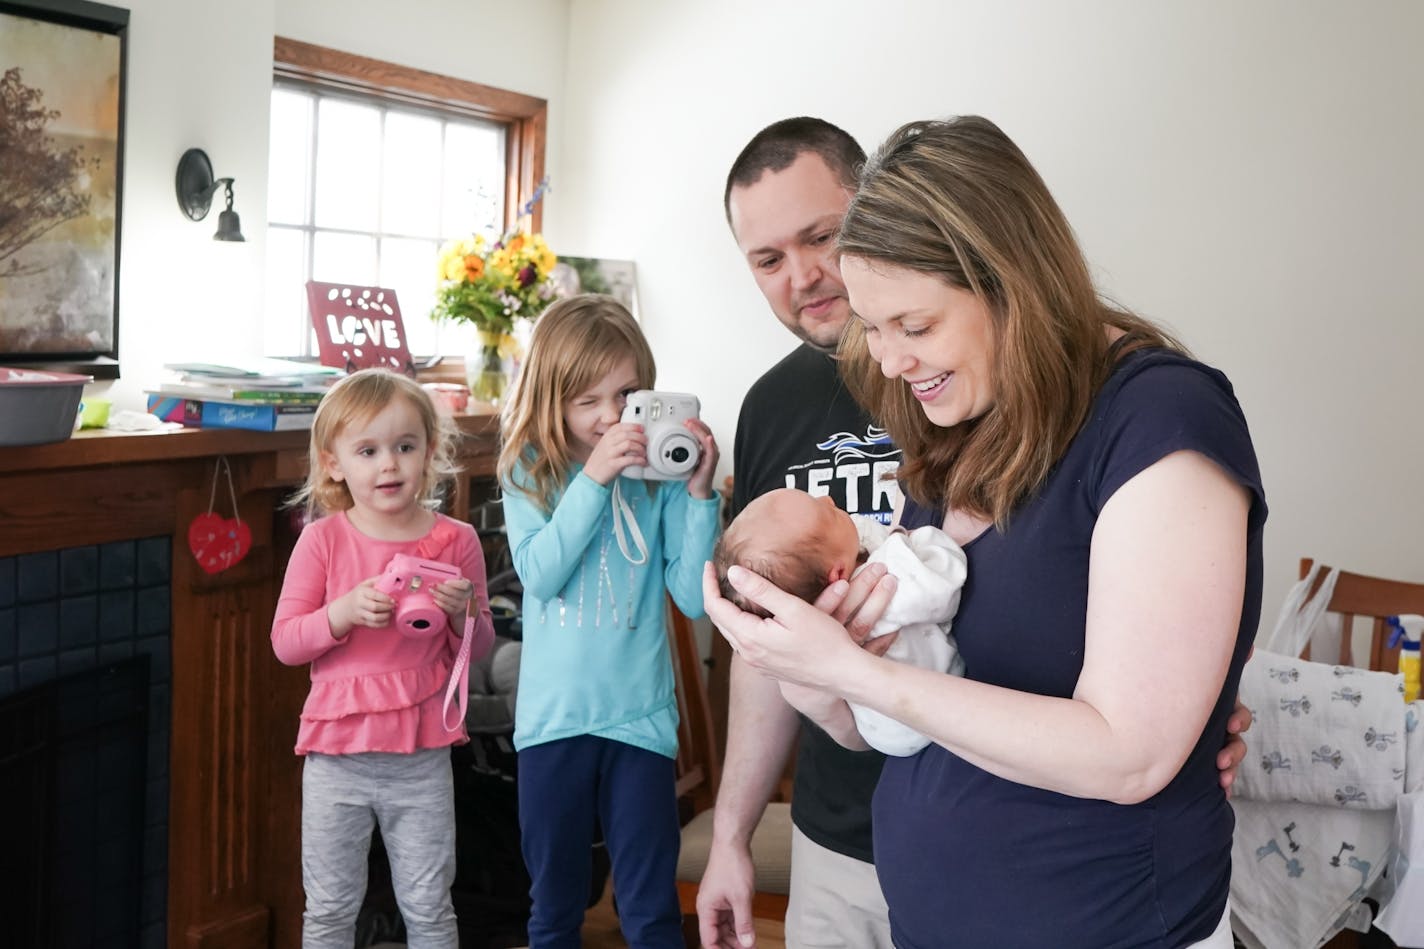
{"x": 355, "y": 400}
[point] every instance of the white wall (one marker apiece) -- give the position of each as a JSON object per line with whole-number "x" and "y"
{"x": 194, "y": 80}
{"x": 200, "y": 75}
{"x": 1249, "y": 174}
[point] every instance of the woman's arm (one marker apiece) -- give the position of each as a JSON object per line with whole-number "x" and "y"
{"x": 1165, "y": 588}
{"x": 830, "y": 713}
{"x": 858, "y": 604}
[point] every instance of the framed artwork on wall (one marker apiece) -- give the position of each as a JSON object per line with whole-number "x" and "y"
{"x": 62, "y": 68}
{"x": 617, "y": 278}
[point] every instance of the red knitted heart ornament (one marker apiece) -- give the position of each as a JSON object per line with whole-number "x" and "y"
{"x": 218, "y": 542}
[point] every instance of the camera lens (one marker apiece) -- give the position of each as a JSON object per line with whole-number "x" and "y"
{"x": 673, "y": 453}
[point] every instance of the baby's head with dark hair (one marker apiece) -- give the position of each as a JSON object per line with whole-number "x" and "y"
{"x": 798, "y": 570}
{"x": 800, "y": 543}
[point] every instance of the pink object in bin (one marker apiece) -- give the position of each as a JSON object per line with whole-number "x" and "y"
{"x": 38, "y": 406}
{"x": 449, "y": 397}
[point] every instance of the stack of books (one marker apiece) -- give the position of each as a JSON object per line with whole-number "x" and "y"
{"x": 262, "y": 394}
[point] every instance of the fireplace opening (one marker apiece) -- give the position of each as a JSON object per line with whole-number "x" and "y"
{"x": 72, "y": 706}
{"x": 73, "y": 762}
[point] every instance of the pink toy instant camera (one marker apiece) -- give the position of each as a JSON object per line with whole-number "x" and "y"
{"x": 408, "y": 580}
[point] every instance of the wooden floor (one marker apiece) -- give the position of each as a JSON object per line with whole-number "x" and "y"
{"x": 600, "y": 929}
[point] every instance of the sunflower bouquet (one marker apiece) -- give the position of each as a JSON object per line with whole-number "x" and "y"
{"x": 493, "y": 284}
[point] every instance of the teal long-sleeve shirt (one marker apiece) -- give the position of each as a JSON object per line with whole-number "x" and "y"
{"x": 595, "y": 658}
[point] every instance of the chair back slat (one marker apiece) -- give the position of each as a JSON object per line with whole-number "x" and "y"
{"x": 1372, "y": 597}
{"x": 1347, "y": 639}
{"x": 1381, "y": 656}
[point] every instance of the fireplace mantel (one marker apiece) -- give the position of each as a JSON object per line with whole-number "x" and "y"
{"x": 234, "y": 877}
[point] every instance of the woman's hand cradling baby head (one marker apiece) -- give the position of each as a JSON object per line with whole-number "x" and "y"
{"x": 800, "y": 642}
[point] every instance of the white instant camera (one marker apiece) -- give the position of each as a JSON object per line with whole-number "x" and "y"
{"x": 673, "y": 451}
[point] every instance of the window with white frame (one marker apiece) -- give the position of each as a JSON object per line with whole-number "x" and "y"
{"x": 372, "y": 166}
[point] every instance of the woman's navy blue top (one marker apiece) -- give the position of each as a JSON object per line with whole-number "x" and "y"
{"x": 969, "y": 859}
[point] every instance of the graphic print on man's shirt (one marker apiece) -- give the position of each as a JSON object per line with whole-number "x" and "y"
{"x": 853, "y": 470}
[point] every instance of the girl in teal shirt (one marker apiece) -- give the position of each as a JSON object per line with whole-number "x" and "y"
{"x": 596, "y": 718}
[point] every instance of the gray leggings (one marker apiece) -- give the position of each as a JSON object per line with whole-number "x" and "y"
{"x": 412, "y": 798}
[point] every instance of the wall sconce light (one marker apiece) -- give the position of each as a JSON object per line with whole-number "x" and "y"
{"x": 196, "y": 186}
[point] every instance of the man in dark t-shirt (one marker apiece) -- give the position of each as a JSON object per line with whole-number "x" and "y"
{"x": 799, "y": 427}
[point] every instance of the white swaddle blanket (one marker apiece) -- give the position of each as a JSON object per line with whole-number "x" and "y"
{"x": 1322, "y": 734}
{"x": 930, "y": 569}
{"x": 1330, "y": 757}
{"x": 1299, "y": 870}
{"x": 1403, "y": 916}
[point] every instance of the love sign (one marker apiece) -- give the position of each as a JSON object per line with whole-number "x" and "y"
{"x": 358, "y": 327}
{"x": 353, "y": 332}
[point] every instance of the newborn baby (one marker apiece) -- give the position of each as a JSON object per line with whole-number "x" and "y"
{"x": 803, "y": 544}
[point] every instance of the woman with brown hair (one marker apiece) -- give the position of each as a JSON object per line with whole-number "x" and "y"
{"x": 1104, "y": 487}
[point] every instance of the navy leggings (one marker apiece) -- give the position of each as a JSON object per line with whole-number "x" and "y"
{"x": 564, "y": 787}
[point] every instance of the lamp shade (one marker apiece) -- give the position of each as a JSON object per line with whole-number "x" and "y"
{"x": 229, "y": 228}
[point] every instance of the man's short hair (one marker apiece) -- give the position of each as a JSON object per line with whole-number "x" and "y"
{"x": 775, "y": 147}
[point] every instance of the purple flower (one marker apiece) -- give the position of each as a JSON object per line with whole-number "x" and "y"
{"x": 526, "y": 275}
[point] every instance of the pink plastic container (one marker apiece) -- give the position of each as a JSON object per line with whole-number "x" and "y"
{"x": 38, "y": 406}
{"x": 449, "y": 397}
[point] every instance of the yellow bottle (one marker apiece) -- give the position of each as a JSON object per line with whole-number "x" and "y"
{"x": 1407, "y": 630}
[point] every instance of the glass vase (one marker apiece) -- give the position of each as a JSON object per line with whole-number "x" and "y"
{"x": 486, "y": 373}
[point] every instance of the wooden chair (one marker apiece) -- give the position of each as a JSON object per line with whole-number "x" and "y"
{"x": 1373, "y": 598}
{"x": 698, "y": 775}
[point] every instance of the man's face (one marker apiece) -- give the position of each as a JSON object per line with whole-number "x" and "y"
{"x": 785, "y": 224}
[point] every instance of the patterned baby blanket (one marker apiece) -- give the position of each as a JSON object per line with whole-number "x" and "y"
{"x": 1333, "y": 750}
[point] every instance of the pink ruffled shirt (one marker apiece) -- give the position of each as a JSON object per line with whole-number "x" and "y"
{"x": 376, "y": 689}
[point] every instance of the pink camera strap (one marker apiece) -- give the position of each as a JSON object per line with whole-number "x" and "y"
{"x": 458, "y": 691}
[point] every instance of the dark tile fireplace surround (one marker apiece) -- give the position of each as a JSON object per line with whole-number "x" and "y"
{"x": 85, "y": 651}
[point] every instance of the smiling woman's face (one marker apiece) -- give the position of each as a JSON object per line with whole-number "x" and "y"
{"x": 937, "y": 338}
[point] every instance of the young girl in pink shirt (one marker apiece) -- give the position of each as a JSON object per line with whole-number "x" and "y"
{"x": 378, "y": 722}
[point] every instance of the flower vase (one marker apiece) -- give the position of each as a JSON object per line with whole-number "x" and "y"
{"x": 486, "y": 374}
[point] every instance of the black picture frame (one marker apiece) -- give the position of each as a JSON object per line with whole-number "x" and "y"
{"x": 61, "y": 189}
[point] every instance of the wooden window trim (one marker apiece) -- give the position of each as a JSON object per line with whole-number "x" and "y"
{"x": 525, "y": 116}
